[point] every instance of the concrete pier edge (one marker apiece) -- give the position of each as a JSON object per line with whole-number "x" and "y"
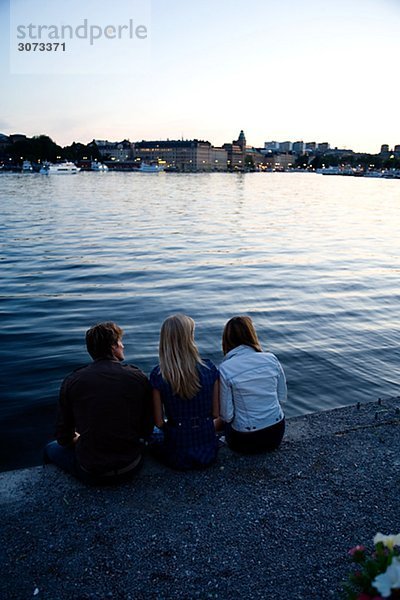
{"x": 267, "y": 526}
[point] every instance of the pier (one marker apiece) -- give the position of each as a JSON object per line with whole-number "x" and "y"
{"x": 272, "y": 526}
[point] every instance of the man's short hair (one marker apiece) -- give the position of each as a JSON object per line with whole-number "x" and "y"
{"x": 101, "y": 338}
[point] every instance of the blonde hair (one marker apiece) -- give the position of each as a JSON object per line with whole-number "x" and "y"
{"x": 179, "y": 355}
{"x": 238, "y": 331}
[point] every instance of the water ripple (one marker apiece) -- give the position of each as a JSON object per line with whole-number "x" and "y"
{"x": 314, "y": 260}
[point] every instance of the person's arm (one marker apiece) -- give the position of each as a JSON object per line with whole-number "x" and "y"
{"x": 215, "y": 409}
{"x": 227, "y": 409}
{"x": 147, "y": 414}
{"x": 282, "y": 388}
{"x": 158, "y": 409}
{"x": 65, "y": 426}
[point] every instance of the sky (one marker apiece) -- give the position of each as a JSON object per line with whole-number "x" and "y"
{"x": 294, "y": 70}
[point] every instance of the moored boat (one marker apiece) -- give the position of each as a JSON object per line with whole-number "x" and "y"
{"x": 373, "y": 174}
{"x": 329, "y": 171}
{"x": 65, "y": 168}
{"x": 98, "y": 167}
{"x": 150, "y": 168}
{"x": 27, "y": 166}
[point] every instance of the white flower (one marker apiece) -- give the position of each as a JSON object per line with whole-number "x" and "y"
{"x": 390, "y": 580}
{"x": 387, "y": 540}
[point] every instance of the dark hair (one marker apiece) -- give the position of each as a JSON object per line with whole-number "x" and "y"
{"x": 101, "y": 338}
{"x": 238, "y": 331}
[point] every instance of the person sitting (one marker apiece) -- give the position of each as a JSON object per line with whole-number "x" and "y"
{"x": 252, "y": 388}
{"x": 104, "y": 413}
{"x": 185, "y": 398}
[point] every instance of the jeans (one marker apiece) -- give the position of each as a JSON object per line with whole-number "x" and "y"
{"x": 64, "y": 457}
{"x": 254, "y": 442}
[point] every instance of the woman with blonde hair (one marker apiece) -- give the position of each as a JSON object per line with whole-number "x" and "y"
{"x": 252, "y": 387}
{"x": 185, "y": 398}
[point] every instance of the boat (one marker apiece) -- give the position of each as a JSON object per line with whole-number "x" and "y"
{"x": 330, "y": 171}
{"x": 98, "y": 167}
{"x": 27, "y": 166}
{"x": 65, "y": 168}
{"x": 373, "y": 174}
{"x": 147, "y": 168}
{"x": 392, "y": 174}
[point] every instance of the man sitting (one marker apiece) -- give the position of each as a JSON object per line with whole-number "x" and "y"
{"x": 104, "y": 414}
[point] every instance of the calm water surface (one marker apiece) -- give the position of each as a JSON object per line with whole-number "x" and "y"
{"x": 314, "y": 260}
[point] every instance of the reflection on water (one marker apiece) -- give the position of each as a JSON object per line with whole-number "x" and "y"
{"x": 314, "y": 260}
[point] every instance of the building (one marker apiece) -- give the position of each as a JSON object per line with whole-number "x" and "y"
{"x": 271, "y": 146}
{"x": 311, "y": 147}
{"x": 278, "y": 161}
{"x": 384, "y": 149}
{"x": 219, "y": 159}
{"x": 236, "y": 152}
{"x": 236, "y": 159}
{"x": 117, "y": 151}
{"x": 182, "y": 155}
{"x": 255, "y": 158}
{"x": 285, "y": 147}
{"x": 241, "y": 141}
{"x": 298, "y": 147}
{"x": 324, "y": 147}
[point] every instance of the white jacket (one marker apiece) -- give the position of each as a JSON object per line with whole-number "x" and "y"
{"x": 252, "y": 386}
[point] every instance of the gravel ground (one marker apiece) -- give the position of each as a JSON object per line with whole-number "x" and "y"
{"x": 275, "y": 526}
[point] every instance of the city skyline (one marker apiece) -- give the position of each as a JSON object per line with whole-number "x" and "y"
{"x": 279, "y": 72}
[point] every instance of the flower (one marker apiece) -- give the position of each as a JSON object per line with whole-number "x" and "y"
{"x": 377, "y": 575}
{"x": 389, "y": 580}
{"x": 357, "y": 551}
{"x": 389, "y": 541}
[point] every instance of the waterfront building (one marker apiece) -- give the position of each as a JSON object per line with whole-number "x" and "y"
{"x": 236, "y": 152}
{"x": 279, "y": 161}
{"x": 298, "y": 147}
{"x": 271, "y": 146}
{"x": 324, "y": 147}
{"x": 255, "y": 158}
{"x": 241, "y": 141}
{"x": 311, "y": 147}
{"x": 236, "y": 157}
{"x": 219, "y": 159}
{"x": 116, "y": 151}
{"x": 285, "y": 147}
{"x": 182, "y": 155}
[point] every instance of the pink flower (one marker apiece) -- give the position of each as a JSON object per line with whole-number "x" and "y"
{"x": 356, "y": 550}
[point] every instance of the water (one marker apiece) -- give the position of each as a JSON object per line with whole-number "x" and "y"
{"x": 314, "y": 260}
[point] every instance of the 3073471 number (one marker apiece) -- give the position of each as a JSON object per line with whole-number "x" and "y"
{"x": 41, "y": 47}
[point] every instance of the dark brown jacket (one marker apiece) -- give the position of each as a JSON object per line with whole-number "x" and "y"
{"x": 109, "y": 404}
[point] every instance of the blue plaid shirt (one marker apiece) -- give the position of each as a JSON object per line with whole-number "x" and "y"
{"x": 190, "y": 441}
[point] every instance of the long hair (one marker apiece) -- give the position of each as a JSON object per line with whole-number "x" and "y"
{"x": 179, "y": 355}
{"x": 240, "y": 331}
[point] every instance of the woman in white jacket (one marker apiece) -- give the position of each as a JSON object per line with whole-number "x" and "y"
{"x": 252, "y": 387}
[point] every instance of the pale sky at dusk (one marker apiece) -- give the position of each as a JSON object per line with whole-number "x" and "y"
{"x": 294, "y": 70}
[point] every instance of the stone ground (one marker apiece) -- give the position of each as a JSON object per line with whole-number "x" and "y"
{"x": 275, "y": 526}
